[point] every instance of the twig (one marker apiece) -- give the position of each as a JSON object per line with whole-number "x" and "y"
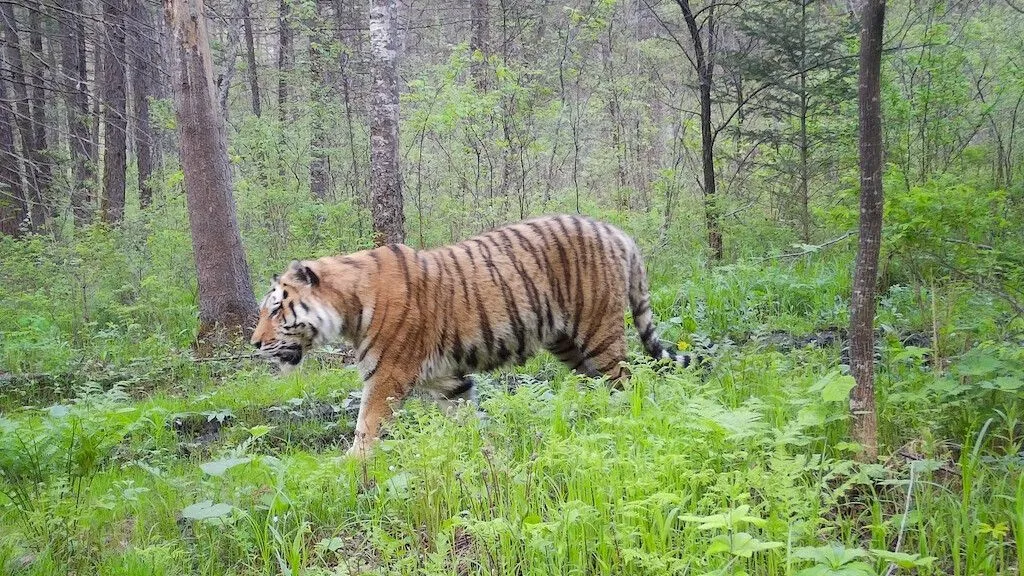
{"x": 738, "y": 210}
{"x": 966, "y": 243}
{"x": 806, "y": 252}
{"x": 220, "y": 358}
{"x": 903, "y": 521}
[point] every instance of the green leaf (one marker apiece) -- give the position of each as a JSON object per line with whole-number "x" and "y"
{"x": 329, "y": 545}
{"x": 206, "y": 510}
{"x": 1004, "y": 384}
{"x": 259, "y": 430}
{"x": 740, "y": 544}
{"x": 978, "y": 364}
{"x": 904, "y": 560}
{"x": 730, "y": 519}
{"x": 532, "y": 518}
{"x": 398, "y": 485}
{"x": 219, "y": 467}
{"x": 834, "y": 386}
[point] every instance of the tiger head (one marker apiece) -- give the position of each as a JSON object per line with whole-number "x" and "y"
{"x": 294, "y": 317}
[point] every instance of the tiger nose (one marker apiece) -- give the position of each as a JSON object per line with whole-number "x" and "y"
{"x": 257, "y": 344}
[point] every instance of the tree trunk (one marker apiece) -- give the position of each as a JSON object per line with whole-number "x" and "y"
{"x": 225, "y": 289}
{"x": 357, "y": 189}
{"x": 250, "y": 59}
{"x": 284, "y": 59}
{"x": 13, "y": 205}
{"x": 805, "y": 199}
{"x": 479, "y": 40}
{"x": 37, "y": 71}
{"x": 23, "y": 115}
{"x": 704, "y": 62}
{"x": 115, "y": 122}
{"x": 144, "y": 58}
{"x": 73, "y": 68}
{"x": 319, "y": 163}
{"x": 865, "y": 273}
{"x": 385, "y": 178}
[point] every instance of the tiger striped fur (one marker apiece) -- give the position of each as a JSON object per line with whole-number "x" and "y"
{"x": 429, "y": 318}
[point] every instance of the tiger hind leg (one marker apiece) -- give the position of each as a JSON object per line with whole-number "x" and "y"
{"x": 449, "y": 393}
{"x": 605, "y": 356}
{"x": 601, "y": 359}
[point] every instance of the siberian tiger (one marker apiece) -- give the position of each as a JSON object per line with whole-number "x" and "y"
{"x": 429, "y": 318}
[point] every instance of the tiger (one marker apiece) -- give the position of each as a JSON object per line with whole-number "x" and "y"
{"x": 428, "y": 319}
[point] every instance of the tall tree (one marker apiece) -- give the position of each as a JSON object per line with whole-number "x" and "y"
{"x": 479, "y": 40}
{"x": 225, "y": 289}
{"x": 38, "y": 74}
{"x": 702, "y": 36}
{"x": 13, "y": 205}
{"x": 284, "y": 57}
{"x": 15, "y": 72}
{"x": 321, "y": 103}
{"x": 349, "y": 45}
{"x": 76, "y": 93}
{"x": 865, "y": 273}
{"x": 144, "y": 55}
{"x": 799, "y": 52}
{"x": 385, "y": 178}
{"x": 115, "y": 120}
{"x": 250, "y": 58}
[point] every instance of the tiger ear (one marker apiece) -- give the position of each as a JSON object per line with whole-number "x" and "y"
{"x": 304, "y": 273}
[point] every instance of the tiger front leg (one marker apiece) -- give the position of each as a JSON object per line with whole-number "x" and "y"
{"x": 381, "y": 394}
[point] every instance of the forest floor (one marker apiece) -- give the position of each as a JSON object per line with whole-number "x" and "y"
{"x": 743, "y": 468}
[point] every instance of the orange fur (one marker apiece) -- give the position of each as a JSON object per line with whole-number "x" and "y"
{"x": 429, "y": 318}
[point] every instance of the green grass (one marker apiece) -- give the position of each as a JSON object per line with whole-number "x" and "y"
{"x": 741, "y": 470}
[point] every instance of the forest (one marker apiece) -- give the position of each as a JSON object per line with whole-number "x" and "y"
{"x": 828, "y": 196}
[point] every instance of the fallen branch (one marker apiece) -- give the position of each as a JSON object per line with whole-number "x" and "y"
{"x": 813, "y": 250}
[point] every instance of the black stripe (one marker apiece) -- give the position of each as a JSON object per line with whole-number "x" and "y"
{"x": 608, "y": 367}
{"x": 577, "y": 298}
{"x": 554, "y": 276}
{"x": 601, "y": 347}
{"x": 503, "y": 354}
{"x": 528, "y": 246}
{"x": 372, "y": 371}
{"x": 577, "y": 223}
{"x": 405, "y": 265}
{"x": 462, "y": 275}
{"x": 485, "y": 324}
{"x": 359, "y": 317}
{"x": 511, "y": 308}
{"x": 641, "y": 309}
{"x": 373, "y": 338}
{"x": 647, "y": 333}
{"x": 465, "y": 385}
{"x": 563, "y": 346}
{"x": 457, "y": 351}
{"x": 532, "y": 294}
{"x": 547, "y": 313}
